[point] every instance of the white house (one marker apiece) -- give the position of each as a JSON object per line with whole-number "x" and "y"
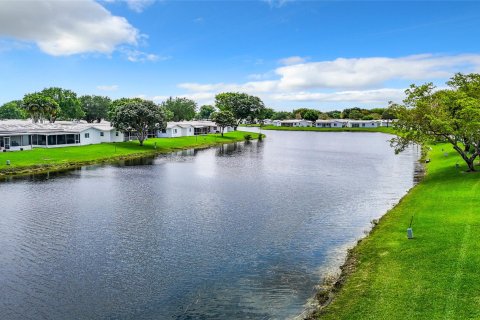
{"x": 277, "y": 123}
{"x": 296, "y": 123}
{"x": 190, "y": 128}
{"x": 267, "y": 122}
{"x": 24, "y": 135}
{"x": 331, "y": 123}
{"x": 363, "y": 124}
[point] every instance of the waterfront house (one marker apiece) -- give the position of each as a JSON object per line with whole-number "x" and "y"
{"x": 331, "y": 123}
{"x": 190, "y": 128}
{"x": 25, "y": 135}
{"x": 363, "y": 124}
{"x": 277, "y": 123}
{"x": 296, "y": 123}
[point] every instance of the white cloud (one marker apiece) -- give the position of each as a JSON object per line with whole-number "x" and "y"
{"x": 62, "y": 28}
{"x": 139, "y": 5}
{"x": 361, "y": 80}
{"x": 140, "y": 56}
{"x": 370, "y": 72}
{"x": 292, "y": 60}
{"x": 112, "y": 87}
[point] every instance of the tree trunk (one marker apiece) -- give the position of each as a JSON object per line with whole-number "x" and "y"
{"x": 221, "y": 130}
{"x": 468, "y": 160}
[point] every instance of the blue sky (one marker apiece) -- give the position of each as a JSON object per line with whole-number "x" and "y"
{"x": 321, "y": 54}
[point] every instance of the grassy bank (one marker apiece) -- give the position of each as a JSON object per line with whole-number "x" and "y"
{"x": 433, "y": 276}
{"x": 40, "y": 159}
{"x": 379, "y": 129}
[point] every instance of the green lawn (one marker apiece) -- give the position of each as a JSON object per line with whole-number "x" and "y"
{"x": 39, "y": 158}
{"x": 434, "y": 276}
{"x": 379, "y": 129}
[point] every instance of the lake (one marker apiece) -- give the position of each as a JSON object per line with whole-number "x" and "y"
{"x": 242, "y": 231}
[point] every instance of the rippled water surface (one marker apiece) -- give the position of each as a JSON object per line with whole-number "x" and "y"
{"x": 243, "y": 231}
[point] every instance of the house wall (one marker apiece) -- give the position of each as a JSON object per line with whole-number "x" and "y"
{"x": 170, "y": 133}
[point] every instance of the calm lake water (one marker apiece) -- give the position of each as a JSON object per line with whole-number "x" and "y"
{"x": 243, "y": 231}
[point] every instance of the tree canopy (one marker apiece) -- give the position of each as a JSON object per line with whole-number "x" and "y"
{"x": 95, "y": 108}
{"x": 450, "y": 115}
{"x": 69, "y": 107}
{"x": 12, "y": 110}
{"x": 139, "y": 116}
{"x": 182, "y": 108}
{"x": 223, "y": 119}
{"x": 241, "y": 105}
{"x": 40, "y": 107}
{"x": 205, "y": 112}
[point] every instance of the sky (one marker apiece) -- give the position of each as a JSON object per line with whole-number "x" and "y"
{"x": 320, "y": 54}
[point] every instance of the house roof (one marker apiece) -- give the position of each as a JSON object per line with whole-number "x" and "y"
{"x": 28, "y": 127}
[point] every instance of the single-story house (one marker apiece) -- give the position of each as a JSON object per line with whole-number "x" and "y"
{"x": 267, "y": 122}
{"x": 190, "y": 128}
{"x": 296, "y": 123}
{"x": 363, "y": 124}
{"x": 331, "y": 123}
{"x": 24, "y": 135}
{"x": 277, "y": 123}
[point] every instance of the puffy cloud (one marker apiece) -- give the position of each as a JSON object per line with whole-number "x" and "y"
{"x": 361, "y": 80}
{"x": 369, "y": 72}
{"x": 62, "y": 28}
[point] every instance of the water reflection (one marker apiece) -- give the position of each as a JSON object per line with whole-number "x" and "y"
{"x": 240, "y": 231}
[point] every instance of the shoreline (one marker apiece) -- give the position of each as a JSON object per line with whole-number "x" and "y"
{"x": 388, "y": 130}
{"x": 332, "y": 284}
{"x": 149, "y": 149}
{"x": 385, "y": 274}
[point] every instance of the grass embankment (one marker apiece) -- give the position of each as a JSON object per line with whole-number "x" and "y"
{"x": 433, "y": 276}
{"x": 379, "y": 129}
{"x": 40, "y": 159}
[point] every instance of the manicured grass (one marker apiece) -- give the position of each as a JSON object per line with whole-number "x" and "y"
{"x": 433, "y": 276}
{"x": 39, "y": 158}
{"x": 379, "y": 129}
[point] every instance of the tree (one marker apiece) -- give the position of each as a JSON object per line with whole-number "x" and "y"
{"x": 69, "y": 106}
{"x": 282, "y": 115}
{"x": 140, "y": 116}
{"x": 95, "y": 108}
{"x": 241, "y": 105}
{"x": 12, "y": 110}
{"x": 311, "y": 115}
{"x": 223, "y": 119}
{"x": 452, "y": 116}
{"x": 182, "y": 108}
{"x": 389, "y": 113}
{"x": 40, "y": 107}
{"x": 205, "y": 112}
{"x": 334, "y": 114}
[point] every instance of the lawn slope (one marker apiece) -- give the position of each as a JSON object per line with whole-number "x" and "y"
{"x": 40, "y": 159}
{"x": 434, "y": 276}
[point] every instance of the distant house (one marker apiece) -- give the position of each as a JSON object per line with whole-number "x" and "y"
{"x": 277, "y": 123}
{"x": 363, "y": 124}
{"x": 296, "y": 123}
{"x": 190, "y": 128}
{"x": 267, "y": 122}
{"x": 24, "y": 135}
{"x": 331, "y": 123}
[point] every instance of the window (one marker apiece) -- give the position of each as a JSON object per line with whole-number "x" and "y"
{"x": 61, "y": 139}
{"x": 164, "y": 130}
{"x": 363, "y": 124}
{"x": 52, "y": 140}
{"x": 87, "y": 135}
{"x": 70, "y": 138}
{"x": 101, "y": 134}
{"x": 174, "y": 130}
{"x": 116, "y": 133}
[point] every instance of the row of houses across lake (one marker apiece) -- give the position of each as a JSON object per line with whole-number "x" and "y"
{"x": 25, "y": 135}
{"x": 331, "y": 123}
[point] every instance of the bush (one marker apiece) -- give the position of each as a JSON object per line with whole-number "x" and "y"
{"x": 247, "y": 137}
